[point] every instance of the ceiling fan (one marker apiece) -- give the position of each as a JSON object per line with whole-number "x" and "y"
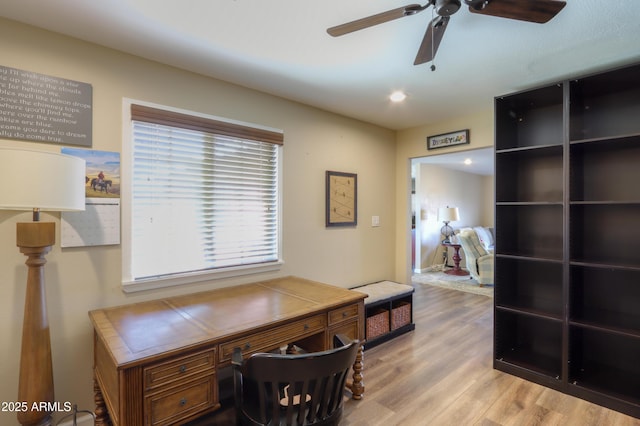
{"x": 538, "y": 11}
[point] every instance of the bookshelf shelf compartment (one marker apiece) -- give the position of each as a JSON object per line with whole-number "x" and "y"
{"x": 529, "y": 230}
{"x": 605, "y": 105}
{"x": 605, "y": 363}
{"x": 605, "y": 234}
{"x": 529, "y": 342}
{"x": 531, "y": 176}
{"x": 536, "y": 286}
{"x": 603, "y": 171}
{"x": 530, "y": 119}
{"x": 595, "y": 297}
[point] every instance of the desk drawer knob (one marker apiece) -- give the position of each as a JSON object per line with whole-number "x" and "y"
{"x": 183, "y": 368}
{"x": 183, "y": 402}
{"x": 247, "y": 345}
{"x": 306, "y": 327}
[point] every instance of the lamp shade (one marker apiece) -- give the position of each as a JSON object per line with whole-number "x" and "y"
{"x": 448, "y": 214}
{"x": 41, "y": 180}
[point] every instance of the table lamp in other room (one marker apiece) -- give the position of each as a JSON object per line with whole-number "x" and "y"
{"x": 446, "y": 215}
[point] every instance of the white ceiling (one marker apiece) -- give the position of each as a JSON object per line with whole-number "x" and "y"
{"x": 480, "y": 161}
{"x": 281, "y": 47}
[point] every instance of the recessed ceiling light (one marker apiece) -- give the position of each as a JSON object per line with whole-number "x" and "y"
{"x": 397, "y": 96}
{"x": 468, "y": 161}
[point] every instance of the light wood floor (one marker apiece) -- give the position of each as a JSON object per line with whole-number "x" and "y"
{"x": 441, "y": 374}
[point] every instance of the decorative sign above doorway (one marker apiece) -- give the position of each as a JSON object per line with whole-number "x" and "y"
{"x": 459, "y": 137}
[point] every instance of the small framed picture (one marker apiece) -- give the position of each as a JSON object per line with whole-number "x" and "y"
{"x": 444, "y": 140}
{"x": 341, "y": 199}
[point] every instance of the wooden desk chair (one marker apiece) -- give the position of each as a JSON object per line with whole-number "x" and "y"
{"x": 305, "y": 389}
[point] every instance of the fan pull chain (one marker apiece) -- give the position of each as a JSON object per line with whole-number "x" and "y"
{"x": 433, "y": 36}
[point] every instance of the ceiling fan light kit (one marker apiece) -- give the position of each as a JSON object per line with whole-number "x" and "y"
{"x": 538, "y": 11}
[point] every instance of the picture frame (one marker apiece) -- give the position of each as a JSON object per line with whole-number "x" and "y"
{"x": 341, "y": 204}
{"x": 459, "y": 137}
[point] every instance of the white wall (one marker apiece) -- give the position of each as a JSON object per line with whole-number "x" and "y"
{"x": 82, "y": 279}
{"x": 488, "y": 213}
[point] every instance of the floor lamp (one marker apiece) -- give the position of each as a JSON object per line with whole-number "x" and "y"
{"x": 37, "y": 180}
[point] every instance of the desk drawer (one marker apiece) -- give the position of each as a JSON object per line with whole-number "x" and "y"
{"x": 179, "y": 368}
{"x": 343, "y": 314}
{"x": 261, "y": 342}
{"x": 349, "y": 329}
{"x": 179, "y": 403}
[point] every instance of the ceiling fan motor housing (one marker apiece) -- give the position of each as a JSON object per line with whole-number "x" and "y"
{"x": 446, "y": 7}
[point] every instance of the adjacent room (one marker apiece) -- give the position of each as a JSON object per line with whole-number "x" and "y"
{"x": 460, "y": 184}
{"x": 185, "y": 184}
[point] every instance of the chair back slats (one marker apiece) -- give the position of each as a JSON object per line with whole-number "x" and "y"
{"x": 275, "y": 403}
{"x": 304, "y": 391}
{"x": 325, "y": 405}
{"x": 293, "y": 390}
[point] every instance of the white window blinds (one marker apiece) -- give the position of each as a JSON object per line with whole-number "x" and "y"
{"x": 200, "y": 199}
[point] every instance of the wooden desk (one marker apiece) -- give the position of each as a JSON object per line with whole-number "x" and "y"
{"x": 155, "y": 362}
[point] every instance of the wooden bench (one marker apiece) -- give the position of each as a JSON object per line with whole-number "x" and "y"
{"x": 388, "y": 311}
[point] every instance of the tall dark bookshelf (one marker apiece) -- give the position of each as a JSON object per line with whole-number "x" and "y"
{"x": 567, "y": 223}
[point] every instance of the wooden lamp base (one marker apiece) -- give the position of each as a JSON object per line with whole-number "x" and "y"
{"x": 36, "y": 372}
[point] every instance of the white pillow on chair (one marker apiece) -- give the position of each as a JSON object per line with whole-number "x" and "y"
{"x": 485, "y": 237}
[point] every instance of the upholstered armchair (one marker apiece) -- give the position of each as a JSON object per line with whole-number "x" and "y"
{"x": 479, "y": 261}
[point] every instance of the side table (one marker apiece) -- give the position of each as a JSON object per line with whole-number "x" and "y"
{"x": 457, "y": 270}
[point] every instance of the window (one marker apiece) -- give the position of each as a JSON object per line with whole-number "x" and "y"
{"x": 204, "y": 198}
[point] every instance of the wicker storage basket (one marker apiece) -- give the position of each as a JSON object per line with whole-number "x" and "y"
{"x": 378, "y": 323}
{"x": 400, "y": 315}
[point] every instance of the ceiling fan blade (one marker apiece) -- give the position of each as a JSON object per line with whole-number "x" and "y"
{"x": 379, "y": 18}
{"x": 538, "y": 11}
{"x": 431, "y": 41}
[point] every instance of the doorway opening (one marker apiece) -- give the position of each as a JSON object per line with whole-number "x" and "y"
{"x": 463, "y": 179}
